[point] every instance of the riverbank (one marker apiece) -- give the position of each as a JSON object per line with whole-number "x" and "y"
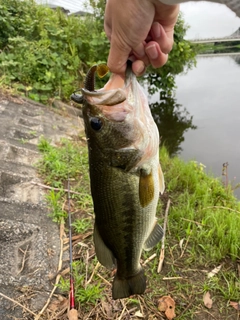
{"x": 202, "y": 234}
{"x": 211, "y": 48}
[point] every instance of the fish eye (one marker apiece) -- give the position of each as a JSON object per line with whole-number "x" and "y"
{"x": 96, "y": 124}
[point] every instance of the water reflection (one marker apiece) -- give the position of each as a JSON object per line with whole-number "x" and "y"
{"x": 173, "y": 121}
{"x": 210, "y": 92}
{"x": 236, "y": 58}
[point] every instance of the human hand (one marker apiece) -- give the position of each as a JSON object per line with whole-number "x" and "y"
{"x": 139, "y": 29}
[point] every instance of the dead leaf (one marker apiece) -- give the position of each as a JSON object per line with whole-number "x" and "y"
{"x": 167, "y": 304}
{"x": 214, "y": 271}
{"x": 58, "y": 305}
{"x": 181, "y": 244}
{"x": 207, "y": 300}
{"x": 73, "y": 314}
{"x": 235, "y": 305}
{"x": 107, "y": 308}
{"x": 139, "y": 314}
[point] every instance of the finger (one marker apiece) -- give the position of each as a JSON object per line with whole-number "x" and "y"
{"x": 140, "y": 54}
{"x": 156, "y": 57}
{"x": 118, "y": 56}
{"x": 163, "y": 38}
{"x": 138, "y": 67}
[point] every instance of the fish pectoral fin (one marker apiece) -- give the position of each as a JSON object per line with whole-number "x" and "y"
{"x": 146, "y": 188}
{"x": 104, "y": 255}
{"x": 161, "y": 179}
{"x": 154, "y": 237}
{"x": 124, "y": 158}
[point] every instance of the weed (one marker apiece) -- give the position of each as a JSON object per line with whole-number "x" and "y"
{"x": 81, "y": 226}
{"x": 23, "y": 141}
{"x": 85, "y": 293}
{"x": 203, "y": 208}
{"x": 55, "y": 202}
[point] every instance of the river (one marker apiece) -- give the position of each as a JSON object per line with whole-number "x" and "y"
{"x": 207, "y": 102}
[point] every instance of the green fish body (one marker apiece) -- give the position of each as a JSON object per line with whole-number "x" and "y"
{"x": 126, "y": 177}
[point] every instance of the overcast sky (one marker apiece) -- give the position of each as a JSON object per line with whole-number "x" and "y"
{"x": 208, "y": 20}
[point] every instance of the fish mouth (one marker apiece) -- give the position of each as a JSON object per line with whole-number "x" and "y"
{"x": 115, "y": 82}
{"x": 113, "y": 92}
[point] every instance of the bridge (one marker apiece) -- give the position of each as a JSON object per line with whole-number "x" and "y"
{"x": 233, "y": 37}
{"x": 213, "y": 40}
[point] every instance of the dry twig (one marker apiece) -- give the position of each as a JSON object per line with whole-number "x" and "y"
{"x": 182, "y": 253}
{"x": 19, "y": 304}
{"x": 24, "y": 259}
{"x": 58, "y": 276}
{"x": 149, "y": 259}
{"x": 172, "y": 278}
{"x": 52, "y": 188}
{"x": 220, "y": 207}
{"x": 161, "y": 257}
{"x": 94, "y": 270}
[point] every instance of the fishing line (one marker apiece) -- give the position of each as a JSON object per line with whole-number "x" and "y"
{"x": 71, "y": 279}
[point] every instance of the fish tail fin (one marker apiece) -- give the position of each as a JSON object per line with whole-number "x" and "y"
{"x": 123, "y": 288}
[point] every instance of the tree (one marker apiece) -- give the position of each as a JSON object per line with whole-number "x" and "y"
{"x": 45, "y": 53}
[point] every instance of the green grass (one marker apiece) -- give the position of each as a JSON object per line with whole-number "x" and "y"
{"x": 203, "y": 214}
{"x": 203, "y": 209}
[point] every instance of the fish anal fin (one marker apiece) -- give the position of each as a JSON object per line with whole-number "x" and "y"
{"x": 123, "y": 288}
{"x": 146, "y": 188}
{"x": 103, "y": 253}
{"x": 154, "y": 237}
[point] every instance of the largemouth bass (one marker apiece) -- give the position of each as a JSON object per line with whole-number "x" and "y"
{"x": 126, "y": 177}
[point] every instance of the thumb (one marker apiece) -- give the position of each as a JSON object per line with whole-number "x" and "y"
{"x": 118, "y": 56}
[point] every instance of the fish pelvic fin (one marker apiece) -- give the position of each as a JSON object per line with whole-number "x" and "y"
{"x": 123, "y": 288}
{"x": 161, "y": 179}
{"x": 104, "y": 255}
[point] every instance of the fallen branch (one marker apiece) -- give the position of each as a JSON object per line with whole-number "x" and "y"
{"x": 19, "y": 304}
{"x": 161, "y": 257}
{"x": 55, "y": 189}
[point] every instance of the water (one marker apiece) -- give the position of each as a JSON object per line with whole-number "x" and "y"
{"x": 211, "y": 94}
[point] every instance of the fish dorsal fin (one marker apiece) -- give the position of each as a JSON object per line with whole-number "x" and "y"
{"x": 104, "y": 255}
{"x": 161, "y": 179}
{"x": 146, "y": 188}
{"x": 154, "y": 237}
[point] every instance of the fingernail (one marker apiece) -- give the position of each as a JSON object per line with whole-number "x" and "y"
{"x": 152, "y": 51}
{"x": 140, "y": 70}
{"x": 156, "y": 30}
